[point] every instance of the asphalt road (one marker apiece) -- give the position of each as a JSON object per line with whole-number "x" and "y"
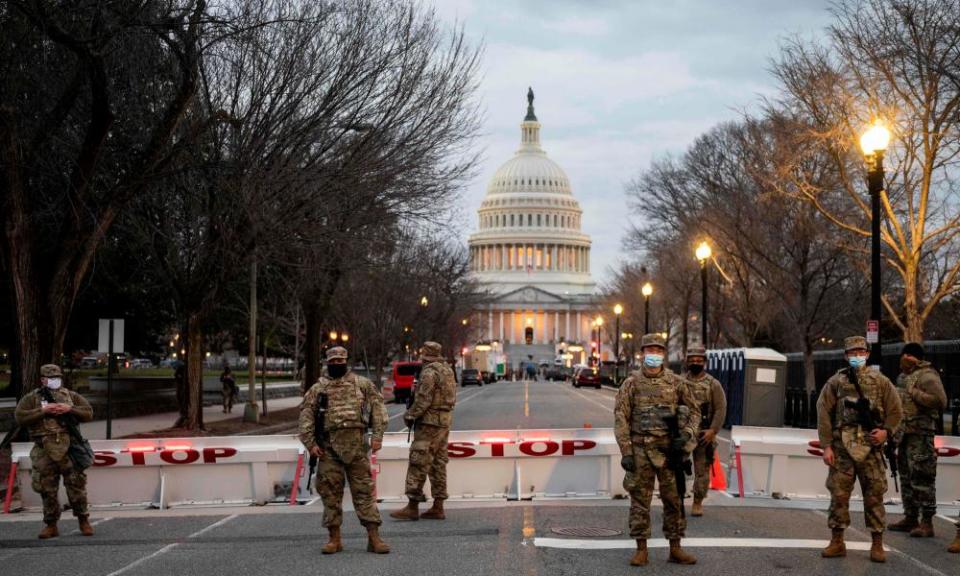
{"x": 506, "y": 539}
{"x": 526, "y": 405}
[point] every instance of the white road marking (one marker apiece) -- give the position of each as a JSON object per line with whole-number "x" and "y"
{"x": 918, "y": 563}
{"x": 692, "y": 543}
{"x": 170, "y": 547}
{"x": 459, "y": 402}
{"x": 946, "y": 518}
{"x": 589, "y": 399}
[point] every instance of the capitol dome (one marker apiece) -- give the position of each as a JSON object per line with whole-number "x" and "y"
{"x": 529, "y": 224}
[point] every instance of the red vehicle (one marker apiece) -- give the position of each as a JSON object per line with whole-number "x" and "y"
{"x": 404, "y": 376}
{"x": 587, "y": 376}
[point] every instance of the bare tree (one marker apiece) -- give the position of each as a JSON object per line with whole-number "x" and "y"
{"x": 890, "y": 60}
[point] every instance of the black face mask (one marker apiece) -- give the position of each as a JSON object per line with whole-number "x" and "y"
{"x": 336, "y": 370}
{"x": 695, "y": 369}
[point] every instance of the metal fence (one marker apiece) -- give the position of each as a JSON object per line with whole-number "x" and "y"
{"x": 800, "y": 409}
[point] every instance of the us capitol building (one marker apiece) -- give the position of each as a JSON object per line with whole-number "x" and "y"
{"x": 531, "y": 257}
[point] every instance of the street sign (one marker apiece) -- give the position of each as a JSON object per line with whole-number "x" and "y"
{"x": 873, "y": 331}
{"x": 103, "y": 342}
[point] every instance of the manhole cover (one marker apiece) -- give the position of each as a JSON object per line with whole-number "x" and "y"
{"x": 585, "y": 532}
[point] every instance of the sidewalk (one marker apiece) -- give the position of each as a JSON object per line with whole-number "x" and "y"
{"x": 97, "y": 430}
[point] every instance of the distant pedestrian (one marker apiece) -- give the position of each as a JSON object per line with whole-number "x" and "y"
{"x": 50, "y": 413}
{"x": 229, "y": 389}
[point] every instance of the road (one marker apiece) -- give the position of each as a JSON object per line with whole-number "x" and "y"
{"x": 526, "y": 405}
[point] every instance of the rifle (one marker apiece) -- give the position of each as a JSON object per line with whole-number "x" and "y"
{"x": 678, "y": 461}
{"x": 868, "y": 419}
{"x": 8, "y": 439}
{"x": 319, "y": 434}
{"x": 411, "y": 400}
{"x": 706, "y": 419}
{"x": 80, "y": 452}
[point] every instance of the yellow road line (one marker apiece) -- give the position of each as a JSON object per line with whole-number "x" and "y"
{"x": 526, "y": 399}
{"x": 529, "y": 531}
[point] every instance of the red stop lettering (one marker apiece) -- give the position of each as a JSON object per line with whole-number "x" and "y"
{"x": 571, "y": 446}
{"x": 210, "y": 455}
{"x": 189, "y": 456}
{"x": 549, "y": 447}
{"x": 496, "y": 448}
{"x": 461, "y": 449}
{"x": 104, "y": 459}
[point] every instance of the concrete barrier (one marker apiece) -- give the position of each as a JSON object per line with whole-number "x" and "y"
{"x": 786, "y": 462}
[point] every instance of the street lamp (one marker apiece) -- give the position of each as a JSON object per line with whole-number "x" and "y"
{"x": 874, "y": 143}
{"x": 647, "y": 291}
{"x": 617, "y": 311}
{"x": 703, "y": 255}
{"x": 599, "y": 322}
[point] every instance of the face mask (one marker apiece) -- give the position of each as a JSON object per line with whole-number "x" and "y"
{"x": 695, "y": 369}
{"x": 857, "y": 361}
{"x": 652, "y": 360}
{"x": 907, "y": 364}
{"x": 336, "y": 370}
{"x": 54, "y": 383}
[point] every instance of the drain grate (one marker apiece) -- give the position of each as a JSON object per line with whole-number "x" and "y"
{"x": 586, "y": 532}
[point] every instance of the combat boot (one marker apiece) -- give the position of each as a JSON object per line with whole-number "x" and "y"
{"x": 678, "y": 556}
{"x": 335, "y": 544}
{"x": 906, "y": 525}
{"x": 954, "y": 548}
{"x": 408, "y": 513}
{"x": 374, "y": 543}
{"x": 924, "y": 529}
{"x": 876, "y": 549}
{"x": 435, "y": 512}
{"x": 837, "y": 548}
{"x": 697, "y": 508}
{"x": 49, "y": 531}
{"x": 85, "y": 528}
{"x": 640, "y": 556}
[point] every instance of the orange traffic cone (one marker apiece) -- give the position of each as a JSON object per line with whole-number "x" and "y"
{"x": 718, "y": 480}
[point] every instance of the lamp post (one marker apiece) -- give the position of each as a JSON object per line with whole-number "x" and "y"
{"x": 647, "y": 291}
{"x": 617, "y": 311}
{"x": 703, "y": 255}
{"x": 874, "y": 143}
{"x": 423, "y": 321}
{"x": 599, "y": 341}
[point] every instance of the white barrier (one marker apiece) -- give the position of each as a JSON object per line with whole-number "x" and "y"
{"x": 783, "y": 461}
{"x": 515, "y": 464}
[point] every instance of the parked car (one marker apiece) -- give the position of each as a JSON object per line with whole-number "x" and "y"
{"x": 138, "y": 363}
{"x": 470, "y": 376}
{"x": 90, "y": 362}
{"x": 587, "y": 376}
{"x": 404, "y": 376}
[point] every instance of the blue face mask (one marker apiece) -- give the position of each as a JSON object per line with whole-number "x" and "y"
{"x": 857, "y": 361}
{"x": 653, "y": 360}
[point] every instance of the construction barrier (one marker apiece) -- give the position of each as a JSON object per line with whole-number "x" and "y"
{"x": 786, "y": 462}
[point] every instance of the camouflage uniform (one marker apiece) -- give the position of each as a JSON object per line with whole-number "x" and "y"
{"x": 854, "y": 456}
{"x": 353, "y": 405}
{"x": 923, "y": 397}
{"x": 642, "y": 401}
{"x": 432, "y": 410}
{"x": 49, "y": 454}
{"x": 709, "y": 396}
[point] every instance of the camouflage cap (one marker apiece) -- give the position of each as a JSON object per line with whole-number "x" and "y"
{"x": 653, "y": 340}
{"x": 855, "y": 343}
{"x": 431, "y": 350}
{"x": 337, "y": 353}
{"x": 50, "y": 371}
{"x": 696, "y": 350}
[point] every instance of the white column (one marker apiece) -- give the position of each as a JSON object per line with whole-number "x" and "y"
{"x": 556, "y": 326}
{"x": 490, "y": 324}
{"x": 566, "y": 333}
{"x": 579, "y": 324}
{"x": 501, "y": 326}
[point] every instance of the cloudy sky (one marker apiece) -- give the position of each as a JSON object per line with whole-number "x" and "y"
{"x": 619, "y": 83}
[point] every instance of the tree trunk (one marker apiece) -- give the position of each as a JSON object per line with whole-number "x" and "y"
{"x": 314, "y": 344}
{"x": 809, "y": 374}
{"x": 194, "y": 373}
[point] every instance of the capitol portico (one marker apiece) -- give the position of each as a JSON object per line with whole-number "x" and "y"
{"x": 530, "y": 255}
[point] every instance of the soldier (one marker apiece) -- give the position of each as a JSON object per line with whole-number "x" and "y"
{"x": 852, "y": 447}
{"x": 954, "y": 547}
{"x": 430, "y": 416}
{"x": 709, "y": 396}
{"x": 923, "y": 397}
{"x": 44, "y": 421}
{"x": 648, "y": 398}
{"x": 352, "y": 405}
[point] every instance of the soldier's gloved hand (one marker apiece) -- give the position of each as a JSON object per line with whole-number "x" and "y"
{"x": 376, "y": 445}
{"x": 628, "y": 463}
{"x": 316, "y": 451}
